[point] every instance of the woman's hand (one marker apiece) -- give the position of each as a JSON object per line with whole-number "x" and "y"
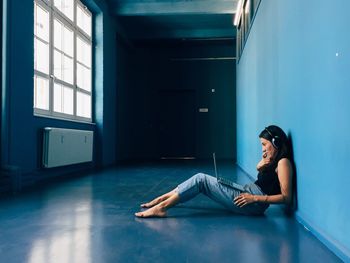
{"x": 264, "y": 162}
{"x": 244, "y": 199}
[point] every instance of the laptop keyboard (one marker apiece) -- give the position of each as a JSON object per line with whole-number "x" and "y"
{"x": 230, "y": 183}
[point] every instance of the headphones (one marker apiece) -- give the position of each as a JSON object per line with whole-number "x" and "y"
{"x": 275, "y": 140}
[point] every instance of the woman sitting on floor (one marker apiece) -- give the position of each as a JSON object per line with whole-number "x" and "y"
{"x": 273, "y": 186}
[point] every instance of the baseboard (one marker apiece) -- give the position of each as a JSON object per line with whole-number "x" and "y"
{"x": 339, "y": 250}
{"x": 14, "y": 180}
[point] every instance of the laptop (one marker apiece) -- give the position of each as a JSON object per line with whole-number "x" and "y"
{"x": 225, "y": 181}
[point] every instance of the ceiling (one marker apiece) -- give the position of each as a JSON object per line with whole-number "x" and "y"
{"x": 175, "y": 19}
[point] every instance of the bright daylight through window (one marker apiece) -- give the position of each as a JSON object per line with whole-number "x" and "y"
{"x": 62, "y": 59}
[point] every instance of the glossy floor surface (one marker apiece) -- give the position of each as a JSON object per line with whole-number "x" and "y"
{"x": 91, "y": 219}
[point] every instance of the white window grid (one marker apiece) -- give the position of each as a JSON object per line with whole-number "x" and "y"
{"x": 55, "y": 13}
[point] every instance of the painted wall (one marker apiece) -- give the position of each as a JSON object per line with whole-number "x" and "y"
{"x": 294, "y": 72}
{"x": 147, "y": 69}
{"x": 21, "y": 131}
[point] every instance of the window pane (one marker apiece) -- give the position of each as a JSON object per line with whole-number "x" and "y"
{"x": 84, "y": 20}
{"x": 41, "y": 23}
{"x": 63, "y": 38}
{"x": 41, "y": 93}
{"x": 66, "y": 7}
{"x": 57, "y": 98}
{"x": 68, "y": 69}
{"x": 63, "y": 99}
{"x": 68, "y": 41}
{"x": 41, "y": 56}
{"x": 57, "y": 64}
{"x": 83, "y": 52}
{"x": 83, "y": 105}
{"x": 63, "y": 67}
{"x": 83, "y": 77}
{"x": 68, "y": 100}
{"x": 57, "y": 34}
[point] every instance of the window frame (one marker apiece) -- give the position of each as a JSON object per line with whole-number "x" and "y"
{"x": 55, "y": 13}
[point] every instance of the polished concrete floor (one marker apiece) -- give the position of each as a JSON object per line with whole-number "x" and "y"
{"x": 91, "y": 219}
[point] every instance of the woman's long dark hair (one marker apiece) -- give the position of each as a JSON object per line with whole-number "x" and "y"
{"x": 281, "y": 139}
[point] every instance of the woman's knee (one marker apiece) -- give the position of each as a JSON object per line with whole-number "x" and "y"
{"x": 202, "y": 178}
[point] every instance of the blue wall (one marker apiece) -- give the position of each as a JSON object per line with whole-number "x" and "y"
{"x": 21, "y": 131}
{"x": 294, "y": 72}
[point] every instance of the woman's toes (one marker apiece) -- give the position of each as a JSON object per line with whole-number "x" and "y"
{"x": 139, "y": 214}
{"x": 147, "y": 205}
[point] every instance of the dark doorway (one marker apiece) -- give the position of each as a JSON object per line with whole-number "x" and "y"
{"x": 177, "y": 123}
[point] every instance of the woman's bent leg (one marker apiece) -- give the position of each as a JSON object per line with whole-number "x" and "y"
{"x": 208, "y": 185}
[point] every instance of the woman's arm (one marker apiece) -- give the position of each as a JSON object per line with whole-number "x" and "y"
{"x": 264, "y": 162}
{"x": 285, "y": 173}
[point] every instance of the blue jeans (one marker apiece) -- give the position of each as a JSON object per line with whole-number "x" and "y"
{"x": 222, "y": 194}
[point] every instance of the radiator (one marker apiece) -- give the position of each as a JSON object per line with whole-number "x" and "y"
{"x": 66, "y": 146}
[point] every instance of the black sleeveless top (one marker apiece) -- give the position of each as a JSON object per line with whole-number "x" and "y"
{"x": 268, "y": 181}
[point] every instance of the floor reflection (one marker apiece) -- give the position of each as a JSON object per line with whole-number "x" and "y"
{"x": 65, "y": 229}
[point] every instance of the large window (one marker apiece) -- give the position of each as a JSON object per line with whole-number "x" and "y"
{"x": 62, "y": 59}
{"x": 246, "y": 13}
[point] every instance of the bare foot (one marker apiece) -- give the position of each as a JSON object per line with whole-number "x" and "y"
{"x": 155, "y": 211}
